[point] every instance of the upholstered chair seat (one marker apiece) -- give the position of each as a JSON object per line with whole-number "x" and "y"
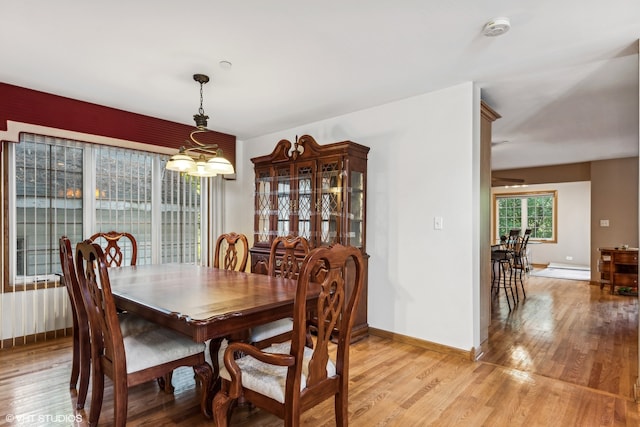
{"x": 157, "y": 346}
{"x": 131, "y": 324}
{"x": 219, "y": 361}
{"x": 270, "y": 380}
{"x": 271, "y": 329}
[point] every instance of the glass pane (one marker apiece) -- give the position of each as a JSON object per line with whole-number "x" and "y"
{"x": 304, "y": 202}
{"x": 180, "y": 213}
{"x": 540, "y": 216}
{"x": 123, "y": 197}
{"x": 284, "y": 201}
{"x": 329, "y": 203}
{"x": 48, "y": 176}
{"x": 356, "y": 203}
{"x": 509, "y": 215}
{"x": 263, "y": 195}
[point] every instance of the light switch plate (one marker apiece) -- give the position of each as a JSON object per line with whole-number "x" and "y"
{"x": 604, "y": 223}
{"x": 437, "y": 223}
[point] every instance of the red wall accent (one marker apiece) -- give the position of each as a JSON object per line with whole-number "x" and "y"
{"x": 39, "y": 108}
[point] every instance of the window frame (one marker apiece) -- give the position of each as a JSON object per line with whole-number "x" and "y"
{"x": 9, "y": 199}
{"x": 524, "y": 195}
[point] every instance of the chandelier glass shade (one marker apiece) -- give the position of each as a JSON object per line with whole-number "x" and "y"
{"x": 180, "y": 163}
{"x": 220, "y": 165}
{"x": 196, "y": 158}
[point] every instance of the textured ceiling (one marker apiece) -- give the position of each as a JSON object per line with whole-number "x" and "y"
{"x": 564, "y": 78}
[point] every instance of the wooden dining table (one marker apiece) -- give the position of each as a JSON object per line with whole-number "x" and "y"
{"x": 204, "y": 303}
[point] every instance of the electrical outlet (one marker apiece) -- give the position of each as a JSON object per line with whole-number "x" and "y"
{"x": 604, "y": 223}
{"x": 569, "y": 258}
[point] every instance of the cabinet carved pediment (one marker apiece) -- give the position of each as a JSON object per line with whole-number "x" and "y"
{"x": 306, "y": 147}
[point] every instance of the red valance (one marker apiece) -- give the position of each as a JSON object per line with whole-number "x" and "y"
{"x": 39, "y": 108}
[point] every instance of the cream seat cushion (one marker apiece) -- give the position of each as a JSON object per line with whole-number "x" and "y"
{"x": 269, "y": 380}
{"x": 271, "y": 329}
{"x": 130, "y": 324}
{"x": 152, "y": 347}
{"x": 207, "y": 352}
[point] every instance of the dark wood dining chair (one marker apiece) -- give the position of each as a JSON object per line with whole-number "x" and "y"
{"x": 286, "y": 256}
{"x": 130, "y": 324}
{"x": 133, "y": 359}
{"x": 116, "y": 245}
{"x": 289, "y": 378}
{"x": 81, "y": 359}
{"x": 285, "y": 259}
{"x": 231, "y": 253}
{"x": 520, "y": 263}
{"x": 226, "y": 253}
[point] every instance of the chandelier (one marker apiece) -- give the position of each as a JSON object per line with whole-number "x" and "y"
{"x": 200, "y": 159}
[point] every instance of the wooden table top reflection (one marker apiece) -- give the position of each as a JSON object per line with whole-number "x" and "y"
{"x": 203, "y": 302}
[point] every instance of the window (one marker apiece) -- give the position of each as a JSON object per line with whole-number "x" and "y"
{"x": 48, "y": 191}
{"x": 65, "y": 187}
{"x": 534, "y": 210}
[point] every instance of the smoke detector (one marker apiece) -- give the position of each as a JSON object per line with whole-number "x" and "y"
{"x": 496, "y": 27}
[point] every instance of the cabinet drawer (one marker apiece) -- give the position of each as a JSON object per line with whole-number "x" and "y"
{"x": 622, "y": 258}
{"x": 626, "y": 280}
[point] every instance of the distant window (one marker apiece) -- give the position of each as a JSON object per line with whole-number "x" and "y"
{"x": 62, "y": 187}
{"x": 534, "y": 210}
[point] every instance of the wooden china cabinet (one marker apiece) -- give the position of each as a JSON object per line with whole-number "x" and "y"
{"x": 314, "y": 191}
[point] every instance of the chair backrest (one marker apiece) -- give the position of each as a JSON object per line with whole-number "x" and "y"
{"x": 521, "y": 246}
{"x": 286, "y": 256}
{"x": 527, "y": 234}
{"x": 227, "y": 252}
{"x": 95, "y": 288}
{"x": 70, "y": 280}
{"x": 341, "y": 287}
{"x": 114, "y": 249}
{"x": 512, "y": 239}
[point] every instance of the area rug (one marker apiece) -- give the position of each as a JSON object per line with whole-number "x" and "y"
{"x": 563, "y": 273}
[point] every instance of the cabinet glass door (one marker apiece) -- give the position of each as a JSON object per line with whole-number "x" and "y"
{"x": 329, "y": 202}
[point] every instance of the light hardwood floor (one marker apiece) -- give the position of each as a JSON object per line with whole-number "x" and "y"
{"x": 566, "y": 356}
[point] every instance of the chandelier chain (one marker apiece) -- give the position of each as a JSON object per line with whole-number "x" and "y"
{"x": 201, "y": 110}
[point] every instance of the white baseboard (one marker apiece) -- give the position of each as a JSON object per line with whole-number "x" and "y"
{"x": 568, "y": 266}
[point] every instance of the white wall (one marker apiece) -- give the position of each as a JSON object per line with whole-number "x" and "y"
{"x": 574, "y": 224}
{"x": 422, "y": 164}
